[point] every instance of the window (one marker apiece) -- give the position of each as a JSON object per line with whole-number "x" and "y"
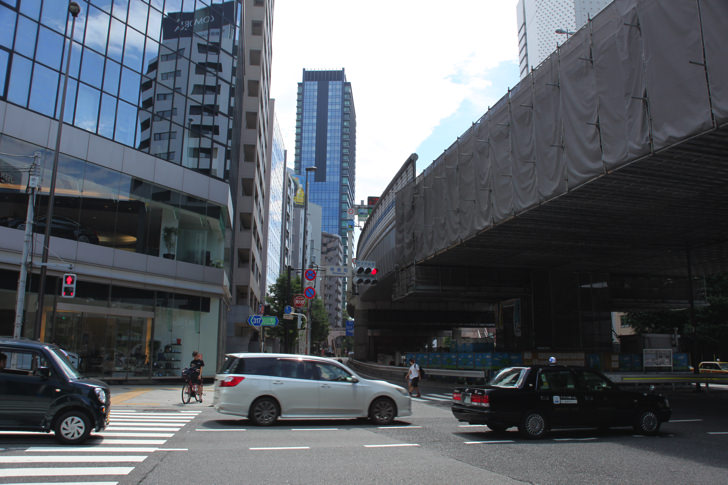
{"x": 594, "y": 382}
{"x": 254, "y": 57}
{"x": 164, "y": 96}
{"x": 167, "y": 135}
{"x": 256, "y": 27}
{"x": 557, "y": 380}
{"x": 172, "y": 74}
{"x": 23, "y": 362}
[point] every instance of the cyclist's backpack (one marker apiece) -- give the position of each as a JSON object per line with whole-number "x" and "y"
{"x": 423, "y": 376}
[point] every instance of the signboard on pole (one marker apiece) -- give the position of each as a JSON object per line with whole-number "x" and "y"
{"x": 299, "y": 301}
{"x": 337, "y": 270}
{"x": 309, "y": 274}
{"x": 309, "y": 292}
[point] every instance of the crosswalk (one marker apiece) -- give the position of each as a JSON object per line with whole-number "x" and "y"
{"x": 109, "y": 455}
{"x": 445, "y": 397}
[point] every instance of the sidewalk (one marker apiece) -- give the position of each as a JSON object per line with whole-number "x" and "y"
{"x": 155, "y": 396}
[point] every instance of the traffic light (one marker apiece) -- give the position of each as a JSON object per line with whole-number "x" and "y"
{"x": 365, "y": 273}
{"x": 69, "y": 285}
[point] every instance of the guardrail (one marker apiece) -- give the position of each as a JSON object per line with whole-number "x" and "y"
{"x": 397, "y": 373}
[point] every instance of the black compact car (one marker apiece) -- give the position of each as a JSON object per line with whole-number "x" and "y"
{"x": 40, "y": 390}
{"x": 538, "y": 398}
{"x": 60, "y": 227}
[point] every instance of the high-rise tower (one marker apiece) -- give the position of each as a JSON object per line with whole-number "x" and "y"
{"x": 326, "y": 139}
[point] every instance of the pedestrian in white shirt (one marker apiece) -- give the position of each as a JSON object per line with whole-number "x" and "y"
{"x": 413, "y": 376}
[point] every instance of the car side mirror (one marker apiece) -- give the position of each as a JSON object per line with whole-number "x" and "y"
{"x": 44, "y": 372}
{"x": 352, "y": 379}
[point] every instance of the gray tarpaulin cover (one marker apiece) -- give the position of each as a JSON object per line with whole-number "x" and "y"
{"x": 639, "y": 77}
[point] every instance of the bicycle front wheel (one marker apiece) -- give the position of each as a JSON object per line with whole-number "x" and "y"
{"x": 186, "y": 393}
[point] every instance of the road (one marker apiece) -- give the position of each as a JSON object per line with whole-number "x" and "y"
{"x": 154, "y": 439}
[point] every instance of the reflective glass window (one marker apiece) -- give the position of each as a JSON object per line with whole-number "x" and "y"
{"x": 130, "y": 85}
{"x": 7, "y": 26}
{"x": 70, "y": 105}
{"x": 111, "y": 77}
{"x": 87, "y": 108}
{"x": 138, "y": 14}
{"x": 154, "y": 25}
{"x": 92, "y": 68}
{"x": 43, "y": 90}
{"x": 97, "y": 29}
{"x": 25, "y": 36}
{"x": 54, "y": 15}
{"x": 19, "y": 80}
{"x": 31, "y": 8}
{"x": 151, "y": 54}
{"x": 133, "y": 49}
{"x": 116, "y": 40}
{"x": 4, "y": 58}
{"x": 120, "y": 9}
{"x": 104, "y": 5}
{"x": 107, "y": 116}
{"x": 126, "y": 124}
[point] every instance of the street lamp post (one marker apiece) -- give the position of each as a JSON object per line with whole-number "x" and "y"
{"x": 74, "y": 10}
{"x": 303, "y": 254}
{"x": 564, "y": 31}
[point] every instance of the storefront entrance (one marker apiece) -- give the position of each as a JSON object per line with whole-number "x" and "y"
{"x": 108, "y": 342}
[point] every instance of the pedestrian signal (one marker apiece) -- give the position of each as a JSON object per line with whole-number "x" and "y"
{"x": 68, "y": 289}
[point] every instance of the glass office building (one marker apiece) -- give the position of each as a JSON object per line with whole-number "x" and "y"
{"x": 326, "y": 139}
{"x": 142, "y": 206}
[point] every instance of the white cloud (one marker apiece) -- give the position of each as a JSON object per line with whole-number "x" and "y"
{"x": 411, "y": 63}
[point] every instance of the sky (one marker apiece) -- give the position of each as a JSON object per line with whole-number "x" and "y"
{"x": 420, "y": 74}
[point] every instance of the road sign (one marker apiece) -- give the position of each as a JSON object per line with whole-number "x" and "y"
{"x": 299, "y": 301}
{"x": 351, "y": 211}
{"x": 337, "y": 271}
{"x": 309, "y": 292}
{"x": 309, "y": 274}
{"x": 269, "y": 322}
{"x": 255, "y": 320}
{"x": 287, "y": 309}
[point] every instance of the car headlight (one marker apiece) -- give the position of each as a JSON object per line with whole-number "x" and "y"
{"x": 100, "y": 395}
{"x": 402, "y": 391}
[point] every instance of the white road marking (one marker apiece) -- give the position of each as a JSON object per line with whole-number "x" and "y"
{"x": 399, "y": 427}
{"x": 136, "y": 428}
{"x": 492, "y": 442}
{"x": 146, "y": 423}
{"x": 56, "y": 483}
{"x": 113, "y": 441}
{"x": 471, "y": 425}
{"x": 65, "y": 472}
{"x": 278, "y": 448}
{"x": 717, "y": 432}
{"x": 574, "y": 439}
{"x": 70, "y": 458}
{"x": 95, "y": 449}
{"x": 219, "y": 430}
{"x": 135, "y": 435}
{"x": 395, "y": 445}
{"x": 684, "y": 420}
{"x": 314, "y": 429}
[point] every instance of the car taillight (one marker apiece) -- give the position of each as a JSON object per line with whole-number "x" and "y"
{"x": 457, "y": 396}
{"x": 231, "y": 381}
{"x": 480, "y": 400}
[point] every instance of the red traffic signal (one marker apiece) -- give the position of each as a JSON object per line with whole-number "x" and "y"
{"x": 68, "y": 290}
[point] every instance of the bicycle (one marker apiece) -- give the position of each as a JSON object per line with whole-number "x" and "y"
{"x": 191, "y": 389}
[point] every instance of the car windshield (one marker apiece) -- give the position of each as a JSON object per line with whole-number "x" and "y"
{"x": 723, "y": 365}
{"x": 508, "y": 377}
{"x": 63, "y": 363}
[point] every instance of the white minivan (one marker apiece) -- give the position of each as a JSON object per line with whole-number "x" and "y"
{"x": 265, "y": 387}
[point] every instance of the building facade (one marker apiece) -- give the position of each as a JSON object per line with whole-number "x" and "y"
{"x": 332, "y": 287}
{"x": 248, "y": 178}
{"x": 143, "y": 209}
{"x": 326, "y": 139}
{"x": 274, "y": 234}
{"x": 538, "y": 21}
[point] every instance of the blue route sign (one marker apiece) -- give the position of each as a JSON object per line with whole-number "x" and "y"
{"x": 255, "y": 320}
{"x": 287, "y": 309}
{"x": 309, "y": 292}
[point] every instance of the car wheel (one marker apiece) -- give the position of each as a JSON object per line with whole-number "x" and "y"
{"x": 382, "y": 411}
{"x": 647, "y": 423}
{"x": 264, "y": 411}
{"x": 72, "y": 427}
{"x": 533, "y": 425}
{"x": 498, "y": 428}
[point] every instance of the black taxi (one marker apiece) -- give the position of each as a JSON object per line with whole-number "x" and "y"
{"x": 538, "y": 398}
{"x": 40, "y": 390}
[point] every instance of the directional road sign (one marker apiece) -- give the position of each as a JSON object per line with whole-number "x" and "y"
{"x": 269, "y": 322}
{"x": 309, "y": 292}
{"x": 342, "y": 271}
{"x": 287, "y": 309}
{"x": 255, "y": 320}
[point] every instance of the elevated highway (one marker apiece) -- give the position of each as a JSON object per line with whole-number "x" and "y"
{"x": 597, "y": 184}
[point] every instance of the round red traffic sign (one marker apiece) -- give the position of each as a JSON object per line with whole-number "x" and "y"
{"x": 309, "y": 274}
{"x": 299, "y": 301}
{"x": 309, "y": 292}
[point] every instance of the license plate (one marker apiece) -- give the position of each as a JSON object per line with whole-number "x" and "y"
{"x": 466, "y": 398}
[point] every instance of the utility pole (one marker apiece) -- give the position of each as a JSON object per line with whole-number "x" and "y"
{"x": 33, "y": 184}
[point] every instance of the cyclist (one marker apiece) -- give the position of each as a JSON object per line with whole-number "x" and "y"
{"x": 196, "y": 375}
